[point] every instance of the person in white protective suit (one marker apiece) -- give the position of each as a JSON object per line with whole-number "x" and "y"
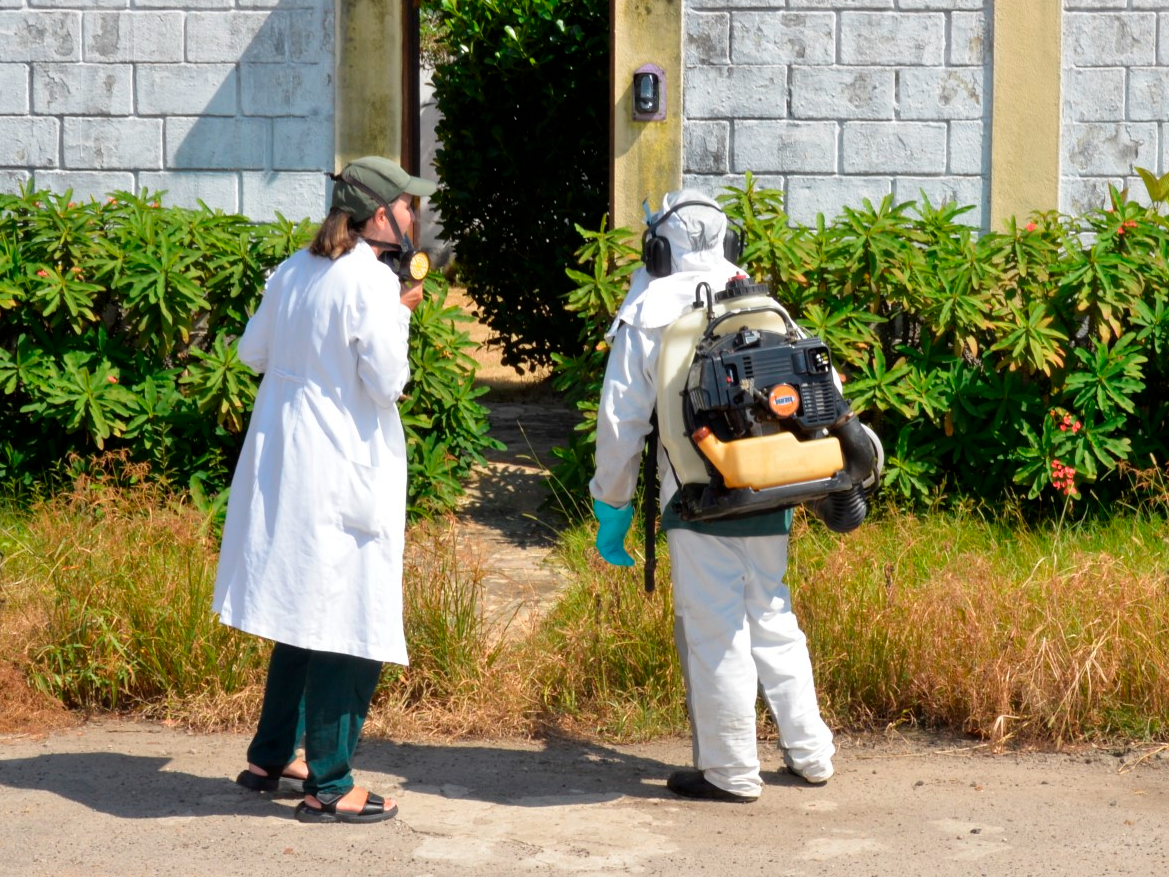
{"x": 735, "y": 630}
{"x": 312, "y": 544}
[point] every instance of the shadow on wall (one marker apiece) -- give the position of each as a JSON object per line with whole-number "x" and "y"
{"x": 250, "y": 116}
{"x": 262, "y": 136}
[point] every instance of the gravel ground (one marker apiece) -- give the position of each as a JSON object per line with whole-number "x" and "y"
{"x": 125, "y": 798}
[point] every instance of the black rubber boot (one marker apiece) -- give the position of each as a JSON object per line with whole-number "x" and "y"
{"x": 692, "y": 784}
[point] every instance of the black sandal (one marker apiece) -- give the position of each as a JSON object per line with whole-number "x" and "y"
{"x": 373, "y": 811}
{"x": 275, "y": 781}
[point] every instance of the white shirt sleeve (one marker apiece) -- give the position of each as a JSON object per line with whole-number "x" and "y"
{"x": 628, "y": 396}
{"x": 255, "y": 344}
{"x": 380, "y": 332}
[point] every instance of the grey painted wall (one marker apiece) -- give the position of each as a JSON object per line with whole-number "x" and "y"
{"x": 1115, "y": 97}
{"x": 227, "y": 101}
{"x": 231, "y": 101}
{"x": 838, "y": 100}
{"x": 834, "y": 101}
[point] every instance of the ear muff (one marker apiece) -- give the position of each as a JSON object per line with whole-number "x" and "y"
{"x": 657, "y": 255}
{"x": 733, "y": 244}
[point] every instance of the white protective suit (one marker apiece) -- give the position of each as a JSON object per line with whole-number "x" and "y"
{"x": 312, "y": 544}
{"x": 735, "y": 631}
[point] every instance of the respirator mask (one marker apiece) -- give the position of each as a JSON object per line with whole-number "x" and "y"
{"x": 410, "y": 264}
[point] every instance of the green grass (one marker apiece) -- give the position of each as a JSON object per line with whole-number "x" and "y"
{"x": 1041, "y": 635}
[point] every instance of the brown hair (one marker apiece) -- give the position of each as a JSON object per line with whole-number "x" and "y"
{"x": 337, "y": 235}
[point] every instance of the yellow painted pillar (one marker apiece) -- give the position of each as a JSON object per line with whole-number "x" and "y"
{"x": 368, "y": 66}
{"x": 646, "y": 156}
{"x": 1025, "y": 111}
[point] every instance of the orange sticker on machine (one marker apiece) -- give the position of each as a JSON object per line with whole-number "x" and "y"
{"x": 783, "y": 400}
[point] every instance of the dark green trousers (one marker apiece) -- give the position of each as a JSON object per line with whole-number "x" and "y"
{"x": 322, "y": 697}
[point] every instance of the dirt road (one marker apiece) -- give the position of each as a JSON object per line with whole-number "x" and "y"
{"x": 122, "y": 798}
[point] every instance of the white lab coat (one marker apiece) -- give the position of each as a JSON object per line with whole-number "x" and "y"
{"x": 312, "y": 543}
{"x": 735, "y": 632}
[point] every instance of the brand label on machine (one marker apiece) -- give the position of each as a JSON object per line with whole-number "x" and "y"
{"x": 783, "y": 400}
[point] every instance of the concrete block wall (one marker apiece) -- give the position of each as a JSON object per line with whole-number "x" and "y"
{"x": 1115, "y": 98}
{"x": 835, "y": 101}
{"x": 231, "y": 101}
{"x": 225, "y": 101}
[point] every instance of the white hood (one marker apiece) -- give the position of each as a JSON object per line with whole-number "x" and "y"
{"x": 695, "y": 234}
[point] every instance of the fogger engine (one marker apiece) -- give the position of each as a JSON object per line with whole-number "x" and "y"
{"x": 763, "y": 409}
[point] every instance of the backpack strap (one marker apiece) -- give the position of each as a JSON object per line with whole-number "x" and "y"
{"x": 650, "y": 501}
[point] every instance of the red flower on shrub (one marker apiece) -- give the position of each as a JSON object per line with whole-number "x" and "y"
{"x": 1063, "y": 478}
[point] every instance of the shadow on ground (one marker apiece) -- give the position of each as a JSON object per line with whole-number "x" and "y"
{"x": 142, "y": 787}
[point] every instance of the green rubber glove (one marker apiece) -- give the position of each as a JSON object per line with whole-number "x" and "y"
{"x": 614, "y": 524}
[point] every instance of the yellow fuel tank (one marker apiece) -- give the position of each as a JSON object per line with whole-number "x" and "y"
{"x": 766, "y": 461}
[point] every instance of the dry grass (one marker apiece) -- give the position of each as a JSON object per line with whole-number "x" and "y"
{"x": 110, "y": 590}
{"x": 1012, "y": 635}
{"x": 25, "y": 710}
{"x": 213, "y": 709}
{"x": 462, "y": 680}
{"x": 603, "y": 658}
{"x": 1004, "y": 634}
{"x": 106, "y": 599}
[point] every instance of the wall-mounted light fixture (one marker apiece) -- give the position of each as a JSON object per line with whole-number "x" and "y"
{"x": 649, "y": 93}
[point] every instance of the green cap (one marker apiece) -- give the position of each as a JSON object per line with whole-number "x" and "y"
{"x": 355, "y": 188}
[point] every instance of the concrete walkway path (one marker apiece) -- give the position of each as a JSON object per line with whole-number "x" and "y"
{"x": 124, "y": 798}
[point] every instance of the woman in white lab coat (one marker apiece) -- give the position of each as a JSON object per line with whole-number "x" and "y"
{"x": 312, "y": 545}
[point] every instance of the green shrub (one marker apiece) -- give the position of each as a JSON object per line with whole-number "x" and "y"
{"x": 118, "y": 331}
{"x": 446, "y": 429}
{"x": 524, "y": 97}
{"x": 1033, "y": 361}
{"x": 611, "y": 258}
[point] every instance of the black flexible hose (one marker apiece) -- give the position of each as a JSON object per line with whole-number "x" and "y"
{"x": 860, "y": 457}
{"x": 843, "y": 511}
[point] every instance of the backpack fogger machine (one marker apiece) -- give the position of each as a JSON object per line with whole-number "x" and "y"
{"x": 762, "y": 424}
